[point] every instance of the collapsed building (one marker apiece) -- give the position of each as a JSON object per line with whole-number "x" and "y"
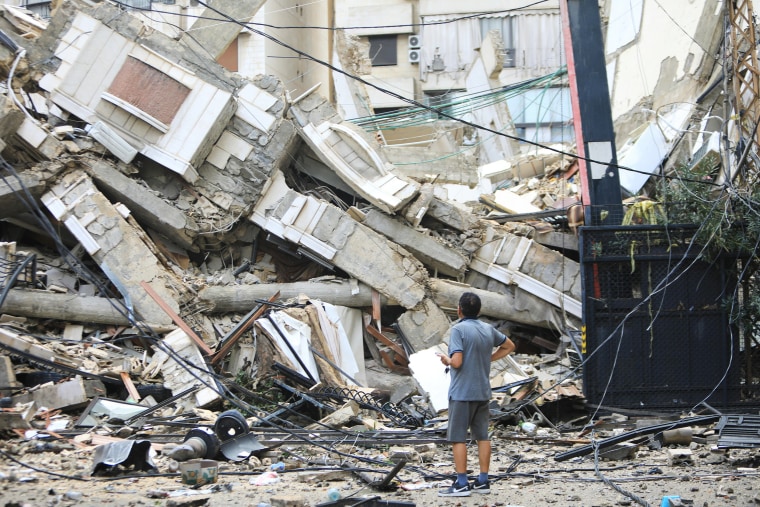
{"x": 176, "y": 232}
{"x": 187, "y": 194}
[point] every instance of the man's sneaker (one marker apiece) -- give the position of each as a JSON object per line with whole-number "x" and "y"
{"x": 455, "y": 490}
{"x": 481, "y": 487}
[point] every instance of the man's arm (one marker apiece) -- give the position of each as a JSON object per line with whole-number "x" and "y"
{"x": 455, "y": 361}
{"x": 504, "y": 350}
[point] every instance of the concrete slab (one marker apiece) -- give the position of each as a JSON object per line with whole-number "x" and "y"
{"x": 114, "y": 244}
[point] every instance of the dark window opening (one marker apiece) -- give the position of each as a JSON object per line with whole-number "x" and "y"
{"x": 382, "y": 50}
{"x": 42, "y": 9}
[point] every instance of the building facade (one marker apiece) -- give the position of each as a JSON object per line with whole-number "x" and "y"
{"x": 425, "y": 50}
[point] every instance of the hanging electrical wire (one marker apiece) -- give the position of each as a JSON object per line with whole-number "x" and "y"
{"x": 458, "y": 107}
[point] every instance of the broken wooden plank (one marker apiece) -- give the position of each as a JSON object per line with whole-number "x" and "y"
{"x": 389, "y": 357}
{"x": 387, "y": 341}
{"x": 131, "y": 389}
{"x": 240, "y": 329}
{"x": 177, "y": 319}
{"x": 22, "y": 344}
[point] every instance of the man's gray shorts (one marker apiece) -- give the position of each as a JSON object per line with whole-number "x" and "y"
{"x": 467, "y": 414}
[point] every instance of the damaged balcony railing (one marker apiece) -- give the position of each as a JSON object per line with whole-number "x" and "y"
{"x": 17, "y": 268}
{"x": 394, "y": 412}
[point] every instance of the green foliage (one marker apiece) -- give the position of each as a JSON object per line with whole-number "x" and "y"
{"x": 729, "y": 220}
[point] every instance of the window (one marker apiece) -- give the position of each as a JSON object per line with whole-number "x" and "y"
{"x": 147, "y": 93}
{"x": 40, "y": 8}
{"x": 382, "y": 50}
{"x": 505, "y": 26}
{"x": 137, "y": 4}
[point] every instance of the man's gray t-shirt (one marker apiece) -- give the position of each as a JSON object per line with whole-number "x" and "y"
{"x": 476, "y": 341}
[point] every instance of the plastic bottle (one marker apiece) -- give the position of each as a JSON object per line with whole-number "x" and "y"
{"x": 333, "y": 494}
{"x": 528, "y": 427}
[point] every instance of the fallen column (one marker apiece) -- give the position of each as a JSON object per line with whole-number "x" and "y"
{"x": 519, "y": 307}
{"x": 12, "y": 190}
{"x": 40, "y": 304}
{"x": 424, "y": 326}
{"x": 241, "y": 298}
{"x": 523, "y": 308}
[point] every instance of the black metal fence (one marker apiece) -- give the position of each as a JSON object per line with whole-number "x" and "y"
{"x": 657, "y": 327}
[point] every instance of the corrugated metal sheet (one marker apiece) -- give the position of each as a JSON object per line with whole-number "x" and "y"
{"x": 739, "y": 431}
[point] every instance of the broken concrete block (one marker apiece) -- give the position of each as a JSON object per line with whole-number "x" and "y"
{"x": 334, "y": 236}
{"x": 679, "y": 436}
{"x": 65, "y": 395}
{"x": 73, "y": 332}
{"x": 397, "y": 454}
{"x": 149, "y": 209}
{"x": 114, "y": 244}
{"x": 416, "y": 210}
{"x": 340, "y": 417}
{"x": 440, "y": 258}
{"x": 34, "y": 181}
{"x": 424, "y": 326}
{"x": 619, "y": 451}
{"x": 11, "y": 117}
{"x": 176, "y": 376}
{"x": 213, "y": 38}
{"x": 8, "y": 380}
{"x": 680, "y": 457}
{"x": 18, "y": 417}
{"x": 452, "y": 214}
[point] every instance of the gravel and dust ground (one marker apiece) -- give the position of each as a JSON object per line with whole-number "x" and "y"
{"x": 523, "y": 473}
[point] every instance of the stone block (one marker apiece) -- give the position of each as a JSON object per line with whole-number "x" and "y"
{"x": 680, "y": 457}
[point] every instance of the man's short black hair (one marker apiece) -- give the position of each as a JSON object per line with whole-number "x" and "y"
{"x": 470, "y": 304}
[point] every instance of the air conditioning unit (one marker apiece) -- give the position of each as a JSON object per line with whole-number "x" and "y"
{"x": 707, "y": 156}
{"x": 415, "y": 42}
{"x": 414, "y": 56}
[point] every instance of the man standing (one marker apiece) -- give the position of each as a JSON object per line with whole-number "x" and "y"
{"x": 471, "y": 350}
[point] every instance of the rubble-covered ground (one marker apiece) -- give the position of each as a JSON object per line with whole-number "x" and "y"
{"x": 212, "y": 270}
{"x": 524, "y": 472}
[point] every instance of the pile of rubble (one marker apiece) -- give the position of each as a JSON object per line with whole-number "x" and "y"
{"x": 200, "y": 266}
{"x": 178, "y": 239}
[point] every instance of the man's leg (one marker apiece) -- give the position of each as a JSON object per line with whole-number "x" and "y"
{"x": 460, "y": 457}
{"x": 461, "y": 486}
{"x": 484, "y": 455}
